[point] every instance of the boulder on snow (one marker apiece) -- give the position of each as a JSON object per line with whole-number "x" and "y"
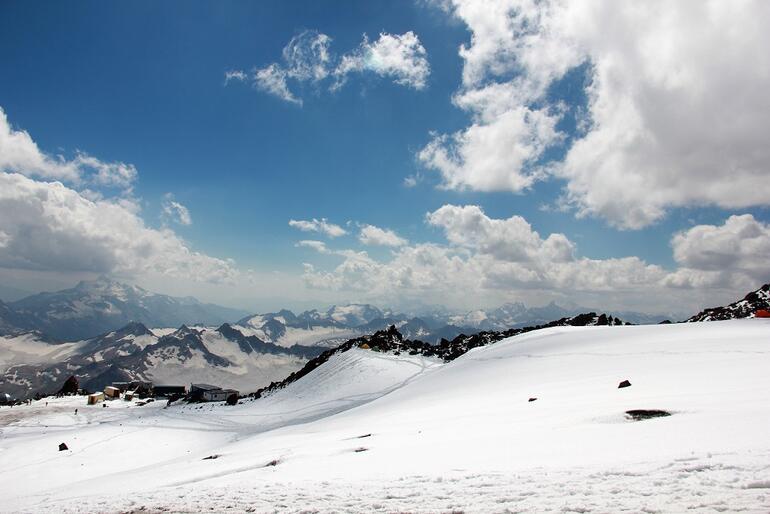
{"x": 623, "y": 384}
{"x": 63, "y": 447}
{"x": 532, "y": 399}
{"x": 232, "y": 399}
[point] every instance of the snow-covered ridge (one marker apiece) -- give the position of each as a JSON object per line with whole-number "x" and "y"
{"x": 744, "y": 308}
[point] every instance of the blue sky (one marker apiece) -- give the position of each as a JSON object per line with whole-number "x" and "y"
{"x": 144, "y": 84}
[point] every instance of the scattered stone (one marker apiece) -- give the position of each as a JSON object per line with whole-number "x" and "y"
{"x": 272, "y": 463}
{"x": 642, "y": 414}
{"x": 623, "y": 384}
{"x": 362, "y": 449}
{"x": 63, "y": 447}
{"x": 211, "y": 457}
{"x": 532, "y": 399}
{"x": 365, "y": 435}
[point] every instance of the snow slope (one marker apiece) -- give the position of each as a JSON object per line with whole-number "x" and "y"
{"x": 30, "y": 349}
{"x": 369, "y": 431}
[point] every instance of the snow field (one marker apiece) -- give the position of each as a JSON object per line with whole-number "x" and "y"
{"x": 375, "y": 432}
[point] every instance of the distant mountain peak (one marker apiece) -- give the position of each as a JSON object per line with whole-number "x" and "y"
{"x": 103, "y": 305}
{"x": 134, "y": 328}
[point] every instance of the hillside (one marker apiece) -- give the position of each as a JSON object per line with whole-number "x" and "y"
{"x": 743, "y": 308}
{"x": 426, "y": 431}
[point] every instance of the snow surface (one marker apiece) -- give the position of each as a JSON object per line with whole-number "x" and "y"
{"x": 316, "y": 336}
{"x": 378, "y": 432}
{"x": 28, "y": 349}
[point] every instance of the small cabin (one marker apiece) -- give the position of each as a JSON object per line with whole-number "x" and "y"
{"x": 95, "y": 398}
{"x": 111, "y": 392}
{"x": 197, "y": 391}
{"x": 167, "y": 391}
{"x": 218, "y": 395}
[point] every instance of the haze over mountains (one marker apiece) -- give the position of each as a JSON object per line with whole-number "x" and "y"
{"x": 102, "y": 305}
{"x": 94, "y": 307}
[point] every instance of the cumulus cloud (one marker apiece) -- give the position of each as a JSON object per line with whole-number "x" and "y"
{"x": 20, "y": 154}
{"x": 734, "y": 253}
{"x": 509, "y": 239}
{"x": 376, "y": 236}
{"x": 676, "y": 111}
{"x": 173, "y": 211}
{"x": 53, "y": 218}
{"x": 49, "y": 226}
{"x": 484, "y": 258}
{"x": 487, "y": 260}
{"x": 400, "y": 57}
{"x": 321, "y": 226}
{"x": 495, "y": 156}
{"x": 308, "y": 61}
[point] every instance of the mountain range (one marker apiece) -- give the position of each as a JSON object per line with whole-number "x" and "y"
{"x": 260, "y": 350}
{"x": 223, "y": 356}
{"x": 101, "y": 305}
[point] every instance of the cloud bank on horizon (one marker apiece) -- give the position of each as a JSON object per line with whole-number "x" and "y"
{"x": 671, "y": 112}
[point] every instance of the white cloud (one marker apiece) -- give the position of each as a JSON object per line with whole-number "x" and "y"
{"x": 20, "y": 154}
{"x": 411, "y": 181}
{"x": 307, "y": 56}
{"x": 321, "y": 226}
{"x": 496, "y": 156}
{"x": 376, "y": 236}
{"x": 174, "y": 211}
{"x": 485, "y": 261}
{"x": 307, "y": 59}
{"x": 511, "y": 239}
{"x": 318, "y": 246}
{"x": 401, "y": 57}
{"x": 677, "y": 108}
{"x": 733, "y": 254}
{"x": 48, "y": 226}
{"x": 272, "y": 79}
{"x": 235, "y": 75}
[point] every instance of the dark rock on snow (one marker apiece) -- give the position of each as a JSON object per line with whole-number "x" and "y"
{"x": 71, "y": 386}
{"x": 642, "y": 414}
